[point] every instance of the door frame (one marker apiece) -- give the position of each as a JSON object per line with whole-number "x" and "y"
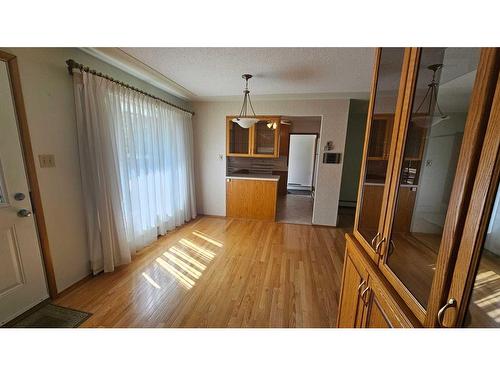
{"x": 29, "y": 163}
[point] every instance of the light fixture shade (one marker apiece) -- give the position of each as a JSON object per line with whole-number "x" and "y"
{"x": 428, "y": 121}
{"x": 245, "y": 122}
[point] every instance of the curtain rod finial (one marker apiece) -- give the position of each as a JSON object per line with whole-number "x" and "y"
{"x": 71, "y": 64}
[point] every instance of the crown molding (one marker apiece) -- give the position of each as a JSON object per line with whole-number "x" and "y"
{"x": 271, "y": 97}
{"x": 122, "y": 60}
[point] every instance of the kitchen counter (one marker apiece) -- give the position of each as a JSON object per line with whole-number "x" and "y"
{"x": 242, "y": 176}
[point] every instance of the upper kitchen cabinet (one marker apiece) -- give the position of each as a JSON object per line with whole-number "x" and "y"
{"x": 261, "y": 140}
{"x": 265, "y": 140}
{"x": 237, "y": 139}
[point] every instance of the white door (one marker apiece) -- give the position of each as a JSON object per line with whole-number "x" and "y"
{"x": 22, "y": 278}
{"x": 301, "y": 161}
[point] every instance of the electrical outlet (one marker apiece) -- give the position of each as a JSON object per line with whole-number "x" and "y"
{"x": 47, "y": 160}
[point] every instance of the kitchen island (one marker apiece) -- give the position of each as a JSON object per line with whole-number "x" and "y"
{"x": 252, "y": 196}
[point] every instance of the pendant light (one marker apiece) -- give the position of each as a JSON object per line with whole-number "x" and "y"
{"x": 430, "y": 118}
{"x": 243, "y": 119}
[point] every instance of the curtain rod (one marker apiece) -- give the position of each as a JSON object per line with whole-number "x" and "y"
{"x": 72, "y": 64}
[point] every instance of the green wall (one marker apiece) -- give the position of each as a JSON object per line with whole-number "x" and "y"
{"x": 353, "y": 152}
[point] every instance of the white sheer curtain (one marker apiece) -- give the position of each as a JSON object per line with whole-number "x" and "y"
{"x": 136, "y": 156}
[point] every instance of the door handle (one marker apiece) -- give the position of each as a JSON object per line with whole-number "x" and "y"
{"x": 374, "y": 238}
{"x": 363, "y": 293}
{"x": 361, "y": 285}
{"x": 377, "y": 246}
{"x": 23, "y": 213}
{"x": 452, "y": 302}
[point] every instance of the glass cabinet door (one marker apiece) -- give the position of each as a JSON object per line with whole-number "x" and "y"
{"x": 379, "y": 134}
{"x": 238, "y": 139}
{"x": 265, "y": 138}
{"x": 432, "y": 143}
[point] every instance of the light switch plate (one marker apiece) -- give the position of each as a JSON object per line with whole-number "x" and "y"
{"x": 47, "y": 160}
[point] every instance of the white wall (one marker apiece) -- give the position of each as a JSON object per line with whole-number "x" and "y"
{"x": 50, "y": 108}
{"x": 436, "y": 180}
{"x": 210, "y": 137}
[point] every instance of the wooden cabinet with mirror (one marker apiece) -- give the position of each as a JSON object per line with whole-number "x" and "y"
{"x": 259, "y": 141}
{"x": 428, "y": 114}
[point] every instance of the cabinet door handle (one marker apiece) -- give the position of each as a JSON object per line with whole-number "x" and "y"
{"x": 361, "y": 285}
{"x": 374, "y": 238}
{"x": 452, "y": 302}
{"x": 363, "y": 293}
{"x": 377, "y": 246}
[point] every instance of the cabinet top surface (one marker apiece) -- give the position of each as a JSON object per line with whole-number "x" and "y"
{"x": 267, "y": 177}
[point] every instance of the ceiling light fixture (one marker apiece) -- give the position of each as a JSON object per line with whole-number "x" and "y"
{"x": 429, "y": 118}
{"x": 243, "y": 119}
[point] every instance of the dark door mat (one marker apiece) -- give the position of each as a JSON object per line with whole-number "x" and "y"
{"x": 52, "y": 316}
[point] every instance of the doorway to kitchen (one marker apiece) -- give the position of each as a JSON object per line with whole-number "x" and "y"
{"x": 296, "y": 201}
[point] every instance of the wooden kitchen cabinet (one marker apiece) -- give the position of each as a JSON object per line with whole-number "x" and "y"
{"x": 366, "y": 301}
{"x": 251, "y": 198}
{"x": 355, "y": 280}
{"x": 416, "y": 180}
{"x": 282, "y": 183}
{"x": 238, "y": 139}
{"x": 284, "y": 139}
{"x": 258, "y": 141}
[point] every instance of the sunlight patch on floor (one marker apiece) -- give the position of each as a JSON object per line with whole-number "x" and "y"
{"x": 179, "y": 276}
{"x": 187, "y": 257}
{"x": 150, "y": 280}
{"x": 186, "y": 260}
{"x": 199, "y": 249}
{"x": 207, "y": 238}
{"x": 487, "y": 283}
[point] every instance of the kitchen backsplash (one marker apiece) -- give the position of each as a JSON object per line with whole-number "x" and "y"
{"x": 256, "y": 165}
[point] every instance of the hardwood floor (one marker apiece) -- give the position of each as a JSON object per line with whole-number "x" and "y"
{"x": 220, "y": 272}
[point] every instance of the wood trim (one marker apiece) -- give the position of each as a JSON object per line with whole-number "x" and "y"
{"x": 341, "y": 288}
{"x": 476, "y": 222}
{"x": 397, "y": 150}
{"x": 29, "y": 160}
{"x": 475, "y": 129}
{"x": 369, "y": 118}
{"x": 407, "y": 63}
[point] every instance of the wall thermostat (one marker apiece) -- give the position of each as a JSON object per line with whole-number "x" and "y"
{"x": 332, "y": 158}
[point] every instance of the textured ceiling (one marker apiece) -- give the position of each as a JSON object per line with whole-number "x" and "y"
{"x": 216, "y": 72}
